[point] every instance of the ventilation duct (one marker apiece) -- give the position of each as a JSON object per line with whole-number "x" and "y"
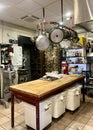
{"x": 83, "y": 14}
{"x": 28, "y": 18}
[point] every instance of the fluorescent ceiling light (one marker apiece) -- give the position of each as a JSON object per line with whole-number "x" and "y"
{"x": 68, "y": 14}
{"x": 68, "y": 18}
{"x": 2, "y": 6}
{"x": 61, "y": 23}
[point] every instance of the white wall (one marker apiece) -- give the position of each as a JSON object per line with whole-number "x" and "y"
{"x": 10, "y": 31}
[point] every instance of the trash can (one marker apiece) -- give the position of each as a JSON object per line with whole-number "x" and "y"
{"x": 73, "y": 97}
{"x": 45, "y": 114}
{"x": 58, "y": 106}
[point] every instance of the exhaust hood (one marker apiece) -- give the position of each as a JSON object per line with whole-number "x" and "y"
{"x": 83, "y": 14}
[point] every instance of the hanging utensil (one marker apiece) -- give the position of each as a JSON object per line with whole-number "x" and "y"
{"x": 42, "y": 42}
{"x": 61, "y": 32}
{"x": 56, "y": 35}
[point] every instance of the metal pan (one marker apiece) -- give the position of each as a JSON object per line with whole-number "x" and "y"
{"x": 56, "y": 35}
{"x": 42, "y": 42}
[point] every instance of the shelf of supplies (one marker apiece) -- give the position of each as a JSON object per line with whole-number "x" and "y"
{"x": 74, "y": 56}
{"x": 77, "y": 63}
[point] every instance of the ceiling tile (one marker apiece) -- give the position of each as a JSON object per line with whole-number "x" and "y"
{"x": 68, "y": 6}
{"x": 13, "y": 12}
{"x": 28, "y": 6}
{"x": 25, "y": 24}
{"x": 15, "y": 9}
{"x": 44, "y": 3}
{"x": 7, "y": 18}
{"x": 54, "y": 8}
{"x": 10, "y": 2}
{"x": 38, "y": 13}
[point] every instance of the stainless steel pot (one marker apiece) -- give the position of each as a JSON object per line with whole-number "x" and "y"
{"x": 42, "y": 42}
{"x": 56, "y": 35}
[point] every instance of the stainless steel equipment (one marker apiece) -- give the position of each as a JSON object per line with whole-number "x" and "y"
{"x": 7, "y": 80}
{"x": 83, "y": 14}
{"x": 23, "y": 75}
{"x": 83, "y": 11}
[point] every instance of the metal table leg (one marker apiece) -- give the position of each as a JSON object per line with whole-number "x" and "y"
{"x": 12, "y": 110}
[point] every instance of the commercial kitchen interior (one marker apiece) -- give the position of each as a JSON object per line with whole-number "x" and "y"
{"x": 23, "y": 60}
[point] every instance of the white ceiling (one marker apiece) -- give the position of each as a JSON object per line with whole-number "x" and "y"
{"x": 20, "y": 12}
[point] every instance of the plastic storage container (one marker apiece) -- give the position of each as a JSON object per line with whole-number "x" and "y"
{"x": 45, "y": 114}
{"x": 73, "y": 97}
{"x": 58, "y": 106}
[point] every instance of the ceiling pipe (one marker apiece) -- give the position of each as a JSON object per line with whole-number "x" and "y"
{"x": 62, "y": 11}
{"x": 43, "y": 14}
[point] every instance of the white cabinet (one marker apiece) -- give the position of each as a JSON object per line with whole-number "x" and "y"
{"x": 45, "y": 114}
{"x": 73, "y": 97}
{"x": 58, "y": 107}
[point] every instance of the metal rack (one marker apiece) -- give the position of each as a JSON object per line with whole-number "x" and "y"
{"x": 6, "y": 79}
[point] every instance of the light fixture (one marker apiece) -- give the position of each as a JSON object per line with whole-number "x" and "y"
{"x": 2, "y": 6}
{"x": 68, "y": 18}
{"x": 68, "y": 14}
{"x": 61, "y": 23}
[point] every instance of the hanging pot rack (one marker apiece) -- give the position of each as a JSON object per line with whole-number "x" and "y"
{"x": 56, "y": 31}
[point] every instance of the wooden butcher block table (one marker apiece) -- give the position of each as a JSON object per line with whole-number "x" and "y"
{"x": 35, "y": 91}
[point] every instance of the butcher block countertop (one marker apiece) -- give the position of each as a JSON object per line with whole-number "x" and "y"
{"x": 39, "y": 88}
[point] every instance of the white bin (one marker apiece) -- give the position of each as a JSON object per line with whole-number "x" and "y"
{"x": 58, "y": 106}
{"x": 45, "y": 114}
{"x": 73, "y": 97}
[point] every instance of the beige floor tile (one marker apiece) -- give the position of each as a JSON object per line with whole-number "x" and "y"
{"x": 68, "y": 128}
{"x": 87, "y": 112}
{"x": 1, "y": 107}
{"x": 23, "y": 124}
{"x": 70, "y": 115}
{"x": 18, "y": 106}
{"x": 55, "y": 128}
{"x": 64, "y": 121}
{"x": 81, "y": 119}
{"x": 76, "y": 125}
{"x": 4, "y": 120}
{"x": 82, "y": 107}
{"x": 6, "y": 111}
{"x": 90, "y": 123}
{"x": 58, "y": 126}
{"x": 16, "y": 114}
{"x": 2, "y": 115}
{"x": 2, "y": 128}
{"x": 18, "y": 128}
{"x": 19, "y": 119}
{"x": 21, "y": 110}
{"x": 88, "y": 127}
{"x": 88, "y": 99}
{"x": 7, "y": 125}
{"x": 91, "y": 117}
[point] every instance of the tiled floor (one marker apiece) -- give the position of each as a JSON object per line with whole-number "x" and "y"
{"x": 81, "y": 119}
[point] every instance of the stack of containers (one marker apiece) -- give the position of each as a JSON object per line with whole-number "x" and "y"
{"x": 73, "y": 97}
{"x": 58, "y": 104}
{"x": 45, "y": 114}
